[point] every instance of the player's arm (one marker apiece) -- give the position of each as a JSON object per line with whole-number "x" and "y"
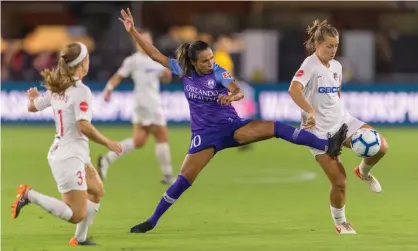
{"x": 36, "y": 101}
{"x": 149, "y": 49}
{"x": 224, "y": 77}
{"x": 113, "y": 82}
{"x": 166, "y": 76}
{"x": 123, "y": 72}
{"x": 236, "y": 93}
{"x": 341, "y": 83}
{"x": 299, "y": 82}
{"x": 296, "y": 92}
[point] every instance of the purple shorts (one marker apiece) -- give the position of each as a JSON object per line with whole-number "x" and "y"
{"x": 219, "y": 139}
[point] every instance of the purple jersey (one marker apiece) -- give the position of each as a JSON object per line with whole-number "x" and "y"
{"x": 202, "y": 93}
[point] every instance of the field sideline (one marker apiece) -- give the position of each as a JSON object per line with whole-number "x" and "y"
{"x": 273, "y": 197}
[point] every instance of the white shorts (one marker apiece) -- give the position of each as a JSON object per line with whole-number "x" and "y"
{"x": 353, "y": 125}
{"x": 146, "y": 116}
{"x": 69, "y": 174}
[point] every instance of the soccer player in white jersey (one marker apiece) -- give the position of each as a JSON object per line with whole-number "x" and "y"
{"x": 148, "y": 117}
{"x": 315, "y": 88}
{"x": 69, "y": 154}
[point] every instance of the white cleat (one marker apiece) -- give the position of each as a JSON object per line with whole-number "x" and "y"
{"x": 345, "y": 228}
{"x": 103, "y": 166}
{"x": 371, "y": 181}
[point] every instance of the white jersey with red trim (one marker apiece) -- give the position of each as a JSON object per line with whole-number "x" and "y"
{"x": 73, "y": 105}
{"x": 321, "y": 88}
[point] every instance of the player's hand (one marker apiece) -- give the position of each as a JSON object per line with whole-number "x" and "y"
{"x": 127, "y": 20}
{"x": 107, "y": 94}
{"x": 32, "y": 93}
{"x": 310, "y": 121}
{"x": 115, "y": 147}
{"x": 225, "y": 99}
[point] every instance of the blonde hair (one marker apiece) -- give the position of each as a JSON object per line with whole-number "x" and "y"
{"x": 58, "y": 79}
{"x": 318, "y": 33}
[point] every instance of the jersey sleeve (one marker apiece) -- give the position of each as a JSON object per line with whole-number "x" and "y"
{"x": 42, "y": 102}
{"x": 83, "y": 105}
{"x": 305, "y": 73}
{"x": 174, "y": 66}
{"x": 126, "y": 68}
{"x": 222, "y": 76}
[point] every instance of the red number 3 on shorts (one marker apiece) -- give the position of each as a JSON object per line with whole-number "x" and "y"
{"x": 80, "y": 178}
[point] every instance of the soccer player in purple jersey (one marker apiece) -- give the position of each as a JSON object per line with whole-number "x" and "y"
{"x": 215, "y": 124}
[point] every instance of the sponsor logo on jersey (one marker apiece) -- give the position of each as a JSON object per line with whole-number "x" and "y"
{"x": 84, "y": 106}
{"x": 226, "y": 75}
{"x": 328, "y": 89}
{"x": 299, "y": 73}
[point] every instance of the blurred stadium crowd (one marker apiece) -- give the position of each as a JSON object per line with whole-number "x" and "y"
{"x": 34, "y": 32}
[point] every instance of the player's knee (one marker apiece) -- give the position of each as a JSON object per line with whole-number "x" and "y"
{"x": 240, "y": 136}
{"x": 139, "y": 140}
{"x": 339, "y": 184}
{"x": 78, "y": 216}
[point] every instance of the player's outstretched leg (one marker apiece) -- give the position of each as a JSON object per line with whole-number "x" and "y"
{"x": 258, "y": 130}
{"x": 332, "y": 146}
{"x": 26, "y": 195}
{"x": 193, "y": 164}
{"x": 95, "y": 192}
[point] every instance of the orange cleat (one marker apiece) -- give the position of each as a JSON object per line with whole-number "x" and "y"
{"x": 20, "y": 201}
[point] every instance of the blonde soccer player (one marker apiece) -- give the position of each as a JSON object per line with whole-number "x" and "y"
{"x": 315, "y": 88}
{"x": 148, "y": 117}
{"x": 69, "y": 154}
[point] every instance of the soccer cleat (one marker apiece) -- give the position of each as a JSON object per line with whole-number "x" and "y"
{"x": 371, "y": 181}
{"x": 74, "y": 242}
{"x": 20, "y": 201}
{"x": 335, "y": 143}
{"x": 102, "y": 166}
{"x": 345, "y": 228}
{"x": 142, "y": 228}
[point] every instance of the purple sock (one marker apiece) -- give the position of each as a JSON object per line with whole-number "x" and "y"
{"x": 169, "y": 197}
{"x": 299, "y": 136}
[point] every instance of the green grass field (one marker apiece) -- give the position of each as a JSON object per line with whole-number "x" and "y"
{"x": 273, "y": 197}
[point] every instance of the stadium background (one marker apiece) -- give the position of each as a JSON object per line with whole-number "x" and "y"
{"x": 271, "y": 196}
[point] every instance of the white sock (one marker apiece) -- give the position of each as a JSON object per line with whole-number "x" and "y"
{"x": 162, "y": 152}
{"x": 364, "y": 168}
{"x": 127, "y": 146}
{"x": 338, "y": 214}
{"x": 51, "y": 205}
{"x": 83, "y": 226}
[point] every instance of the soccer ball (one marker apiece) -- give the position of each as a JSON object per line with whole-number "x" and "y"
{"x": 365, "y": 142}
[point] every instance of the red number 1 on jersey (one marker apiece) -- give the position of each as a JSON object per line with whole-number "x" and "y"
{"x": 60, "y": 128}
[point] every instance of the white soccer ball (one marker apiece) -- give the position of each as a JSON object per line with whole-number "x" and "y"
{"x": 365, "y": 142}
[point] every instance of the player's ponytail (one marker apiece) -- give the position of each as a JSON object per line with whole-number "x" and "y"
{"x": 184, "y": 59}
{"x": 318, "y": 32}
{"x": 58, "y": 79}
{"x": 188, "y": 53}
